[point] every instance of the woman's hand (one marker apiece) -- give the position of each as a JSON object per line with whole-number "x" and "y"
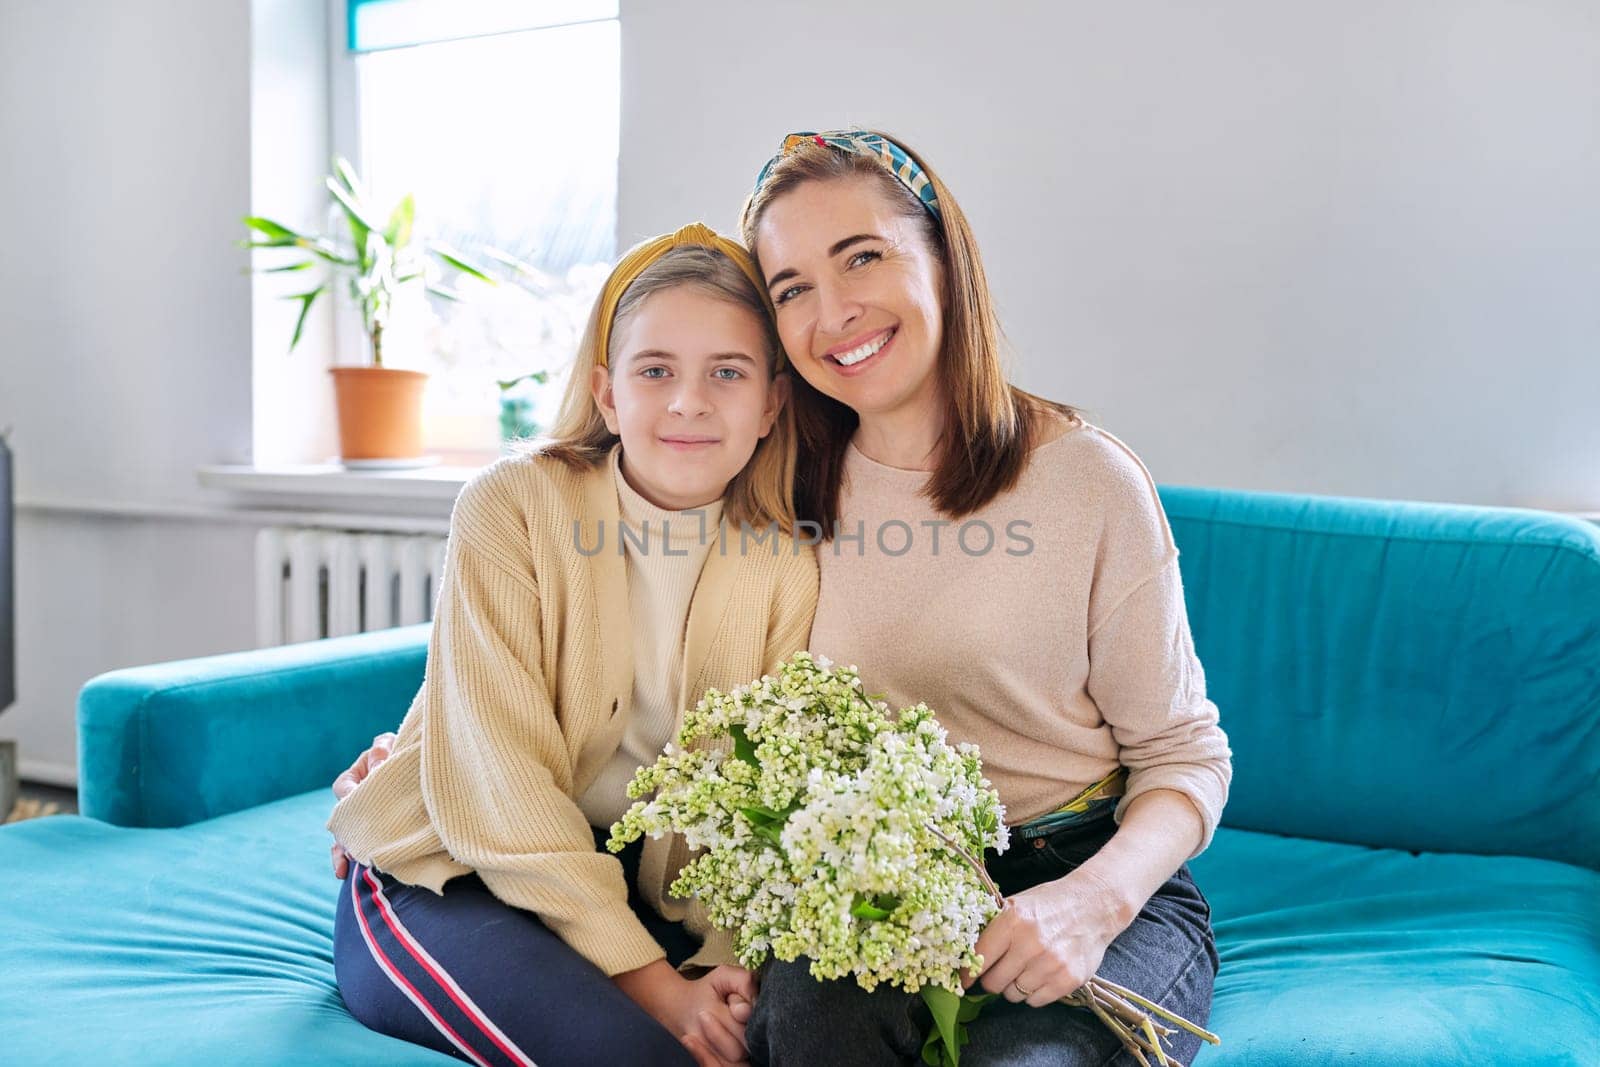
{"x": 1049, "y": 941}
{"x": 707, "y": 1014}
{"x": 346, "y": 784}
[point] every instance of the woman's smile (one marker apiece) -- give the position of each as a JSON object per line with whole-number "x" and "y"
{"x": 854, "y": 357}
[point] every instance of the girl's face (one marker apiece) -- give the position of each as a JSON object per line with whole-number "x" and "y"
{"x": 690, "y": 395}
{"x": 858, "y": 294}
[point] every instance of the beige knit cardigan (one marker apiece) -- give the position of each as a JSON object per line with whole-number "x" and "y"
{"x": 526, "y": 694}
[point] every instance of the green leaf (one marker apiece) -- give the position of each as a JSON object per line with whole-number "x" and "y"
{"x": 398, "y": 232}
{"x": 346, "y": 173}
{"x": 951, "y": 1013}
{"x": 945, "y": 1006}
{"x": 870, "y": 909}
{"x": 304, "y": 264}
{"x": 360, "y": 223}
{"x": 445, "y": 294}
{"x": 972, "y": 1006}
{"x": 766, "y": 823}
{"x": 324, "y": 250}
{"x": 376, "y": 258}
{"x": 758, "y": 813}
{"x": 517, "y": 265}
{"x": 306, "y": 300}
{"x": 452, "y": 257}
{"x": 538, "y": 377}
{"x": 275, "y": 230}
{"x": 742, "y": 748}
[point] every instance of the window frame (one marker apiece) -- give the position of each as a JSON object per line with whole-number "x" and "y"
{"x": 348, "y": 140}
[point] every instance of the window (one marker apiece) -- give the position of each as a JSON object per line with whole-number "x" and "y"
{"x": 502, "y": 119}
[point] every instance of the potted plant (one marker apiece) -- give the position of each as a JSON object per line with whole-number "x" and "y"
{"x": 380, "y": 408}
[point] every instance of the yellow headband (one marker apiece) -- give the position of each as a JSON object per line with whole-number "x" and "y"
{"x": 641, "y": 256}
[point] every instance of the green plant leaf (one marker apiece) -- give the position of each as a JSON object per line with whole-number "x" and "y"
{"x": 538, "y": 377}
{"x": 360, "y": 223}
{"x": 323, "y": 250}
{"x": 445, "y": 294}
{"x": 398, "y": 232}
{"x": 947, "y": 1035}
{"x": 872, "y": 909}
{"x": 275, "y": 230}
{"x": 452, "y": 257}
{"x": 306, "y": 300}
{"x": 742, "y": 748}
{"x": 302, "y": 265}
{"x": 972, "y": 1006}
{"x": 766, "y": 823}
{"x": 945, "y": 1006}
{"x": 507, "y": 259}
{"x": 346, "y": 173}
{"x": 376, "y": 258}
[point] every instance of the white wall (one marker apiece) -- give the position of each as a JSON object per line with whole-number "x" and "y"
{"x": 1335, "y": 247}
{"x": 124, "y": 337}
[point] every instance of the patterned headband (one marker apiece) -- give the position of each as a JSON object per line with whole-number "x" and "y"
{"x": 641, "y": 256}
{"x": 895, "y": 160}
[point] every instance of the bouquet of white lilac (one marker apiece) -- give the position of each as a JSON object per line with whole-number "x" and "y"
{"x": 829, "y": 828}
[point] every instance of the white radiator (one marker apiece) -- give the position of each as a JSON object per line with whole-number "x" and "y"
{"x": 314, "y": 583}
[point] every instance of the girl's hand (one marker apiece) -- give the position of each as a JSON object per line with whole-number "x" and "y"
{"x": 346, "y": 784}
{"x": 1049, "y": 941}
{"x": 707, "y": 1014}
{"x": 365, "y": 764}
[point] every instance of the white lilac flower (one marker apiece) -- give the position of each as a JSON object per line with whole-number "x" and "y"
{"x": 809, "y": 806}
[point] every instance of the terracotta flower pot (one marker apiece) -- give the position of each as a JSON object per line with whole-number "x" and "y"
{"x": 380, "y": 412}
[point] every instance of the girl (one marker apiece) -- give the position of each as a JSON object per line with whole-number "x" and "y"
{"x": 1047, "y": 624}
{"x": 591, "y": 590}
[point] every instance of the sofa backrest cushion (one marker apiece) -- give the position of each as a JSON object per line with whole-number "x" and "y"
{"x": 1404, "y": 675}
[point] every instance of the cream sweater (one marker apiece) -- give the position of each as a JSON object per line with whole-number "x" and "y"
{"x": 1048, "y": 628}
{"x": 527, "y": 692}
{"x": 665, "y": 551}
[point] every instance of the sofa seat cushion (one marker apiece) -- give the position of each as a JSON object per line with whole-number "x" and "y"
{"x": 207, "y": 944}
{"x": 213, "y": 943}
{"x": 1340, "y": 954}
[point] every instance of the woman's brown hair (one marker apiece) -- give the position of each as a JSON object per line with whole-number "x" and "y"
{"x": 762, "y": 493}
{"x": 990, "y": 425}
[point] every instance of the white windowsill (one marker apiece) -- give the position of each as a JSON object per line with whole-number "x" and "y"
{"x": 422, "y": 483}
{"x": 424, "y": 492}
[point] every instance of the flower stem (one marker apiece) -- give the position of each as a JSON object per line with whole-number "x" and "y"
{"x": 1099, "y": 991}
{"x": 978, "y": 868}
{"x": 1204, "y": 1035}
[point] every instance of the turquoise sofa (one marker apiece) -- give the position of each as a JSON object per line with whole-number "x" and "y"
{"x": 1407, "y": 872}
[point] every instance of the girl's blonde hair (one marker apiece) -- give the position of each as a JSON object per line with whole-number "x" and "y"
{"x": 762, "y": 493}
{"x": 990, "y": 425}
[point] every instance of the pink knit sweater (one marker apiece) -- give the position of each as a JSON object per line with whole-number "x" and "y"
{"x": 1048, "y": 628}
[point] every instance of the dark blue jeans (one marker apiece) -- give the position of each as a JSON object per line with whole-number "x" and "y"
{"x": 475, "y": 978}
{"x": 1167, "y": 954}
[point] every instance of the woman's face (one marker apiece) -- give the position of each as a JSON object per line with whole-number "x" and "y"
{"x": 858, "y": 293}
{"x": 690, "y": 395}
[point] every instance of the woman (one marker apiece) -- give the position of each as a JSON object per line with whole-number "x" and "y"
{"x": 1047, "y": 625}
{"x": 998, "y": 557}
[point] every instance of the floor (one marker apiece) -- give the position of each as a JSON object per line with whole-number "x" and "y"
{"x": 65, "y": 800}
